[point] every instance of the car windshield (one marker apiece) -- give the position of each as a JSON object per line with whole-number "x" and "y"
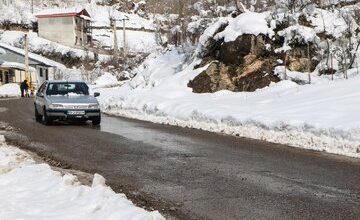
{"x": 67, "y": 89}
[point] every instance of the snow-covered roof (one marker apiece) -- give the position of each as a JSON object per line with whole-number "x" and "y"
{"x": 20, "y": 66}
{"x": 32, "y": 56}
{"x": 62, "y": 12}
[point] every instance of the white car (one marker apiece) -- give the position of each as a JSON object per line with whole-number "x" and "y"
{"x": 66, "y": 100}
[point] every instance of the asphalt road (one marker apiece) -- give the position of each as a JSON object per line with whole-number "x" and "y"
{"x": 192, "y": 174}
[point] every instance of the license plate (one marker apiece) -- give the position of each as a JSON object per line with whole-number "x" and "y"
{"x": 76, "y": 112}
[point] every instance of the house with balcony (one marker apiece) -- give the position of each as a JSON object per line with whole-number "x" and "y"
{"x": 69, "y": 26}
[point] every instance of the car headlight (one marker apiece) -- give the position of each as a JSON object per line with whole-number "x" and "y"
{"x": 94, "y": 106}
{"x": 56, "y": 106}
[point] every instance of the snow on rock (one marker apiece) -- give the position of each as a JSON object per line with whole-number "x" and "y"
{"x": 322, "y": 116}
{"x": 210, "y": 33}
{"x": 299, "y": 33}
{"x": 34, "y": 191}
{"x": 330, "y": 22}
{"x": 246, "y": 23}
{"x": 9, "y": 90}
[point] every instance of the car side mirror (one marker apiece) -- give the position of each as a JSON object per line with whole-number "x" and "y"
{"x": 96, "y": 94}
{"x": 39, "y": 94}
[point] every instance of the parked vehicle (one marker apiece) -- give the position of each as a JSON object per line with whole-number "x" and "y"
{"x": 66, "y": 100}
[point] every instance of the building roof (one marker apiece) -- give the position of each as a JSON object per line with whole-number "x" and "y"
{"x": 62, "y": 12}
{"x": 44, "y": 61}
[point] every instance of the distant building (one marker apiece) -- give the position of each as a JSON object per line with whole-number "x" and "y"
{"x": 70, "y": 26}
{"x": 12, "y": 67}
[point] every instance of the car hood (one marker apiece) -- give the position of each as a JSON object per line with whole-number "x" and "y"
{"x": 85, "y": 99}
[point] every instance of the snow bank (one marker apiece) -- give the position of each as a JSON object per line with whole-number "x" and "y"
{"x": 323, "y": 116}
{"x": 34, "y": 191}
{"x": 9, "y": 90}
{"x": 106, "y": 80}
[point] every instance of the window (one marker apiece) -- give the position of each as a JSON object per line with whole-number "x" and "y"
{"x": 67, "y": 88}
{"x": 41, "y": 72}
{"x": 42, "y": 88}
{"x": 47, "y": 74}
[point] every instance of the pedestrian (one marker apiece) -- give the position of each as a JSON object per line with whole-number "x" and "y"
{"x": 24, "y": 87}
{"x": 28, "y": 91}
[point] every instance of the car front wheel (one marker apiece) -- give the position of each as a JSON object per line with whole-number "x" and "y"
{"x": 38, "y": 117}
{"x": 47, "y": 119}
{"x": 96, "y": 121}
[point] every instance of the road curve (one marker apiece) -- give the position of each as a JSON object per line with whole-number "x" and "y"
{"x": 193, "y": 174}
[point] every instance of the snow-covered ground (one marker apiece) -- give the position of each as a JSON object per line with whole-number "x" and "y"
{"x": 9, "y": 90}
{"x": 19, "y": 12}
{"x": 34, "y": 191}
{"x": 41, "y": 45}
{"x": 323, "y": 116}
{"x": 137, "y": 41}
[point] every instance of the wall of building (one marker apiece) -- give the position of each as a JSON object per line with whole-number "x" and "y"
{"x": 58, "y": 29}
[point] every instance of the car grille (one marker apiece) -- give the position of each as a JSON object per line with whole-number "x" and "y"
{"x": 72, "y": 106}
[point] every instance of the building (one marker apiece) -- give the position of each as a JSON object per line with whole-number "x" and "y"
{"x": 12, "y": 67}
{"x": 70, "y": 26}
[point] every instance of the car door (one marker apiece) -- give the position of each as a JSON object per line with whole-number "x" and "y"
{"x": 40, "y": 98}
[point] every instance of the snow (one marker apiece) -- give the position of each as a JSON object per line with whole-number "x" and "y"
{"x": 57, "y": 11}
{"x": 34, "y": 191}
{"x": 246, "y": 23}
{"x": 299, "y": 33}
{"x": 100, "y": 16}
{"x": 322, "y": 116}
{"x": 43, "y": 46}
{"x": 15, "y": 65}
{"x": 210, "y": 32}
{"x": 330, "y": 22}
{"x": 33, "y": 56}
{"x": 106, "y": 80}
{"x": 19, "y": 12}
{"x": 136, "y": 41}
{"x": 9, "y": 90}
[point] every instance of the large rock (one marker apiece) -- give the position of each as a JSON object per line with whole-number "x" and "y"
{"x": 219, "y": 76}
{"x": 234, "y": 52}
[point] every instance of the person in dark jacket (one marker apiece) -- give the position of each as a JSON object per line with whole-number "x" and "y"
{"x": 24, "y": 87}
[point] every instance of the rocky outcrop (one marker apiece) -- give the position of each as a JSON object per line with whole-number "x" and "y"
{"x": 242, "y": 65}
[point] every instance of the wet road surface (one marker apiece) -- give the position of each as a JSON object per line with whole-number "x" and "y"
{"x": 192, "y": 174}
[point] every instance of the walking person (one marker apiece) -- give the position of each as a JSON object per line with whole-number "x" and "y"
{"x": 24, "y": 88}
{"x": 28, "y": 90}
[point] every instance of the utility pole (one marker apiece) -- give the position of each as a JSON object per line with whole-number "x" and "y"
{"x": 309, "y": 62}
{"x": 124, "y": 19}
{"x": 26, "y": 56}
{"x": 32, "y": 6}
{"x": 27, "y": 72}
{"x": 286, "y": 58}
{"x": 116, "y": 47}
